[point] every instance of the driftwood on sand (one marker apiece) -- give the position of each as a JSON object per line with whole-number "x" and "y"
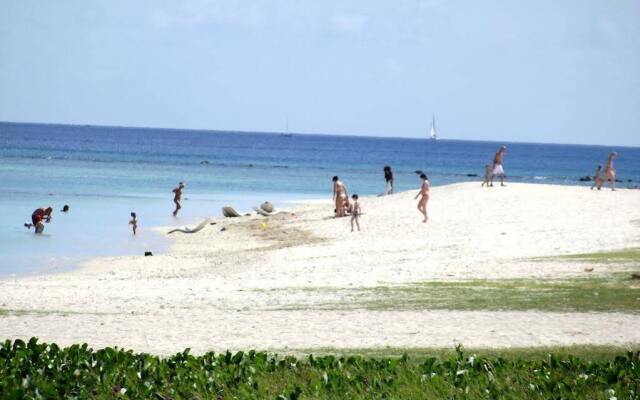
{"x": 261, "y": 211}
{"x": 200, "y": 226}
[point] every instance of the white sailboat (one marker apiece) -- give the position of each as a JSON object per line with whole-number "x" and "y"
{"x": 433, "y": 135}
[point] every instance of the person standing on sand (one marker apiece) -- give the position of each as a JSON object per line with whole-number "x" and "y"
{"x": 610, "y": 171}
{"x": 424, "y": 192}
{"x": 355, "y": 212}
{"x": 37, "y": 217}
{"x": 498, "y": 169}
{"x": 340, "y": 196}
{"x": 177, "y": 197}
{"x": 487, "y": 175}
{"x": 388, "y": 177}
{"x": 597, "y": 179}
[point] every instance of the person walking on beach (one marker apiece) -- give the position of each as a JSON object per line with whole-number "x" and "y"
{"x": 340, "y": 196}
{"x": 177, "y": 197}
{"x": 597, "y": 179}
{"x": 498, "y": 169}
{"x": 487, "y": 175}
{"x": 38, "y": 218}
{"x": 424, "y": 192}
{"x": 355, "y": 212}
{"x": 134, "y": 223}
{"x": 388, "y": 177}
{"x": 610, "y": 171}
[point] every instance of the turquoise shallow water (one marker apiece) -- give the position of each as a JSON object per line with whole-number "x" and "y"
{"x": 104, "y": 173}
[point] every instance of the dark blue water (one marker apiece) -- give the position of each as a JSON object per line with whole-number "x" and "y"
{"x": 105, "y": 172}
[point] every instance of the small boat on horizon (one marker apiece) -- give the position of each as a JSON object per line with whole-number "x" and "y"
{"x": 286, "y": 133}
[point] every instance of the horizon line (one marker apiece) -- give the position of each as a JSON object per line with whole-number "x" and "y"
{"x": 353, "y": 135}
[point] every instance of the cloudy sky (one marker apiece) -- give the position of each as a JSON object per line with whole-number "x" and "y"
{"x": 563, "y": 71}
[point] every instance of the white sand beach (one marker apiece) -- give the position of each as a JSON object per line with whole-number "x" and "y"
{"x": 276, "y": 282}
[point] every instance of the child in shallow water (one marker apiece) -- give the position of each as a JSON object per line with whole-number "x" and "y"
{"x": 355, "y": 212}
{"x": 134, "y": 222}
{"x": 487, "y": 175}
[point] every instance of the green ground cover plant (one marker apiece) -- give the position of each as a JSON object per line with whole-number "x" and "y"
{"x": 38, "y": 370}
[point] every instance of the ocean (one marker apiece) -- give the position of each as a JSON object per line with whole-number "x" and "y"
{"x": 104, "y": 173}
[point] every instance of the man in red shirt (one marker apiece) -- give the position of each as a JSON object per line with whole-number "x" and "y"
{"x": 37, "y": 218}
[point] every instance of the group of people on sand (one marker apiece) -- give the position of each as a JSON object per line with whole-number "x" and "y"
{"x": 344, "y": 207}
{"x": 497, "y": 169}
{"x": 609, "y": 173}
{"x": 494, "y": 170}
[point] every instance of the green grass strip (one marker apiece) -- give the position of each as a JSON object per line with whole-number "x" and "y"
{"x": 605, "y": 257}
{"x": 617, "y": 294}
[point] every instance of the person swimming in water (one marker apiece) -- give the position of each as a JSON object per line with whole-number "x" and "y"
{"x": 177, "y": 197}
{"x": 38, "y": 218}
{"x": 340, "y": 197}
{"x": 610, "y": 171}
{"x": 424, "y": 192}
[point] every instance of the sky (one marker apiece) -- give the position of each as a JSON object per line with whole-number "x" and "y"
{"x": 556, "y": 71}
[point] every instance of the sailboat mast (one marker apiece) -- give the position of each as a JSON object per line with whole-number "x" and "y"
{"x": 433, "y": 135}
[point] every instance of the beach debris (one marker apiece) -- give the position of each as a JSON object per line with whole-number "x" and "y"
{"x": 266, "y": 206}
{"x": 264, "y": 225}
{"x": 588, "y": 269}
{"x": 223, "y": 229}
{"x": 198, "y": 228}
{"x": 65, "y": 208}
{"x": 212, "y": 223}
{"x": 148, "y": 254}
{"x": 230, "y": 212}
{"x": 261, "y": 212}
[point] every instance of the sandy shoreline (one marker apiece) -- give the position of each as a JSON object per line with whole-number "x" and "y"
{"x": 252, "y": 285}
